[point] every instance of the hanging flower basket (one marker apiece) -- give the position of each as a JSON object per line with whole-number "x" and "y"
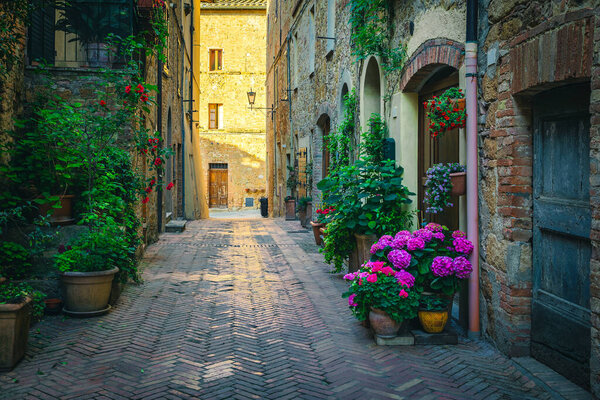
{"x": 446, "y": 112}
{"x": 442, "y": 182}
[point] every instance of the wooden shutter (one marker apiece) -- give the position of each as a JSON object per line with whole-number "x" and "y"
{"x": 41, "y": 35}
{"x": 212, "y": 60}
{"x": 219, "y": 58}
{"x": 213, "y": 116}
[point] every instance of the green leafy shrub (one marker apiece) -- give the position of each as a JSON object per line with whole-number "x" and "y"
{"x": 15, "y": 293}
{"x": 15, "y": 261}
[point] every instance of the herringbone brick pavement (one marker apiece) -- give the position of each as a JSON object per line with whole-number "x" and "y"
{"x": 245, "y": 310}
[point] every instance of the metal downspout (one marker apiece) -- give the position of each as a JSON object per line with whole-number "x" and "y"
{"x": 183, "y": 131}
{"x": 159, "y": 191}
{"x": 472, "y": 164}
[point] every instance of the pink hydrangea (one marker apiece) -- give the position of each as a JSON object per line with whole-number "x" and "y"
{"x": 351, "y": 302}
{"x": 405, "y": 278}
{"x": 433, "y": 227}
{"x": 387, "y": 270}
{"x": 372, "y": 278}
{"x": 462, "y": 267}
{"x": 402, "y": 233}
{"x": 376, "y": 266}
{"x": 458, "y": 234}
{"x": 350, "y": 276}
{"x": 400, "y": 259}
{"x": 363, "y": 274}
{"x": 375, "y": 248}
{"x": 439, "y": 236}
{"x": 400, "y": 242}
{"x": 403, "y": 293}
{"x": 415, "y": 243}
{"x": 442, "y": 266}
{"x": 424, "y": 234}
{"x": 463, "y": 245}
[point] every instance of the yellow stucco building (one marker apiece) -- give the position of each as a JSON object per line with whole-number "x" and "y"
{"x": 232, "y": 136}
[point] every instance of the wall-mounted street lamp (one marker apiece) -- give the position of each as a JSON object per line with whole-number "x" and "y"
{"x": 252, "y": 99}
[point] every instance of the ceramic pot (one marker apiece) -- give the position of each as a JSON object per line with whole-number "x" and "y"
{"x": 87, "y": 293}
{"x": 316, "y": 227}
{"x": 60, "y": 216}
{"x": 52, "y": 306}
{"x": 433, "y": 321}
{"x": 14, "y": 331}
{"x": 459, "y": 183}
{"x": 383, "y": 325}
{"x": 363, "y": 247}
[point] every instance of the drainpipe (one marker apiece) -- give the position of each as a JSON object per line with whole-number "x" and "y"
{"x": 472, "y": 164}
{"x": 182, "y": 183}
{"x": 159, "y": 192}
{"x": 289, "y": 97}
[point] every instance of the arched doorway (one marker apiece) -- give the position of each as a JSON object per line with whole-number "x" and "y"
{"x": 371, "y": 92}
{"x": 445, "y": 149}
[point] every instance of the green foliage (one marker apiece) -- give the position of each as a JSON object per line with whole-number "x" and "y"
{"x": 444, "y": 113}
{"x": 303, "y": 203}
{"x": 338, "y": 243}
{"x": 340, "y": 142}
{"x": 15, "y": 293}
{"x": 309, "y": 177}
{"x": 371, "y": 147}
{"x": 372, "y": 30}
{"x": 433, "y": 303}
{"x": 15, "y": 260}
{"x": 292, "y": 180}
{"x": 14, "y": 15}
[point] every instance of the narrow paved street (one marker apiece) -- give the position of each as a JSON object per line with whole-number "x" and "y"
{"x": 245, "y": 309}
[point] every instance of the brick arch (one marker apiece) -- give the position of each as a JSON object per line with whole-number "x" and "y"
{"x": 427, "y": 58}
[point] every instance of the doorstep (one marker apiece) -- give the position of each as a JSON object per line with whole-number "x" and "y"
{"x": 177, "y": 225}
{"x": 419, "y": 337}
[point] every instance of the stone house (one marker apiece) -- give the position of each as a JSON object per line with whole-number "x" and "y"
{"x": 231, "y": 134}
{"x": 528, "y": 303}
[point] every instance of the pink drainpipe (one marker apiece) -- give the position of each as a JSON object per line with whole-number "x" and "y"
{"x": 472, "y": 183}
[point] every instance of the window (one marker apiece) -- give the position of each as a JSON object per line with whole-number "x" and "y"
{"x": 295, "y": 61}
{"x": 215, "y": 116}
{"x": 215, "y": 59}
{"x": 217, "y": 165}
{"x": 330, "y": 24}
{"x": 311, "y": 41}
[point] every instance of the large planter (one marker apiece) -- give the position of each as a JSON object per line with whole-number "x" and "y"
{"x": 363, "y": 247}
{"x": 290, "y": 210}
{"x": 433, "y": 321}
{"x": 60, "y": 216}
{"x": 353, "y": 264}
{"x": 308, "y": 213}
{"x": 14, "y": 332}
{"x": 459, "y": 183}
{"x": 86, "y": 294}
{"x": 382, "y": 324}
{"x": 316, "y": 227}
{"x": 302, "y": 217}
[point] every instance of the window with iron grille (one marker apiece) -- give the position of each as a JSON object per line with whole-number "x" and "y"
{"x": 73, "y": 33}
{"x": 217, "y": 165}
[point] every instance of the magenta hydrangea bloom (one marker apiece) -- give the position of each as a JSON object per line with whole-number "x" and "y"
{"x": 424, "y": 234}
{"x": 350, "y": 276}
{"x": 463, "y": 245}
{"x": 400, "y": 259}
{"x": 363, "y": 274}
{"x": 462, "y": 267}
{"x": 400, "y": 242}
{"x": 415, "y": 243}
{"x": 433, "y": 227}
{"x": 372, "y": 278}
{"x": 351, "y": 302}
{"x": 458, "y": 234}
{"x": 402, "y": 233}
{"x": 405, "y": 278}
{"x": 439, "y": 236}
{"x": 375, "y": 248}
{"x": 442, "y": 266}
{"x": 375, "y": 265}
{"x": 403, "y": 293}
{"x": 387, "y": 270}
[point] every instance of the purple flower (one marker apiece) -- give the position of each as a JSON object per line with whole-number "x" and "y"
{"x": 462, "y": 267}
{"x": 405, "y": 278}
{"x": 400, "y": 259}
{"x": 439, "y": 236}
{"x": 463, "y": 245}
{"x": 400, "y": 242}
{"x": 458, "y": 234}
{"x": 415, "y": 243}
{"x": 363, "y": 274}
{"x": 402, "y": 233}
{"x": 433, "y": 227}
{"x": 351, "y": 302}
{"x": 351, "y": 276}
{"x": 424, "y": 234}
{"x": 375, "y": 248}
{"x": 442, "y": 266}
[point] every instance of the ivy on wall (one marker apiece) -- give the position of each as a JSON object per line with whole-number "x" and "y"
{"x": 339, "y": 142}
{"x": 13, "y": 15}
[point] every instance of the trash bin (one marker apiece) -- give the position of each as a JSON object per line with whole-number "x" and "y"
{"x": 264, "y": 207}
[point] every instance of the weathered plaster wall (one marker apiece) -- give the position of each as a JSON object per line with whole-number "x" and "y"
{"x": 240, "y": 141}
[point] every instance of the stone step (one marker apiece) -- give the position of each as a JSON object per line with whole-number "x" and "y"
{"x": 177, "y": 225}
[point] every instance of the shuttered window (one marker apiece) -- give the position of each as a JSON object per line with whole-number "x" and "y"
{"x": 216, "y": 59}
{"x": 215, "y": 119}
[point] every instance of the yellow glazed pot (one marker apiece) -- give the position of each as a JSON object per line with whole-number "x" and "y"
{"x": 433, "y": 321}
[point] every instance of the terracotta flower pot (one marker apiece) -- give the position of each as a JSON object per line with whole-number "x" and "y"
{"x": 316, "y": 227}
{"x": 86, "y": 294}
{"x": 290, "y": 210}
{"x": 383, "y": 325}
{"x": 60, "y": 216}
{"x": 52, "y": 306}
{"x": 459, "y": 183}
{"x": 14, "y": 332}
{"x": 433, "y": 321}
{"x": 363, "y": 247}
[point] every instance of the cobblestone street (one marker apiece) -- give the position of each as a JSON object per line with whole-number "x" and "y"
{"x": 246, "y": 309}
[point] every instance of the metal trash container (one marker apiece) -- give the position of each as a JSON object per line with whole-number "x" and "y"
{"x": 264, "y": 207}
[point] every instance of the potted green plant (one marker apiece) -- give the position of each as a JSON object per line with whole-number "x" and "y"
{"x": 446, "y": 112}
{"x": 442, "y": 182}
{"x": 302, "y": 209}
{"x": 433, "y": 313}
{"x": 88, "y": 266}
{"x": 18, "y": 303}
{"x": 384, "y": 295}
{"x": 324, "y": 214}
{"x": 90, "y": 23}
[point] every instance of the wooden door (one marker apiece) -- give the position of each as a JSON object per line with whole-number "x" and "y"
{"x": 434, "y": 151}
{"x": 560, "y": 321}
{"x": 218, "y": 188}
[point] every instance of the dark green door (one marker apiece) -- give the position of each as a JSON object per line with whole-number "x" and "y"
{"x": 560, "y": 330}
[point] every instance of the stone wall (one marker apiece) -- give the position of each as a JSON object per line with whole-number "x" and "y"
{"x": 526, "y": 48}
{"x": 240, "y": 140}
